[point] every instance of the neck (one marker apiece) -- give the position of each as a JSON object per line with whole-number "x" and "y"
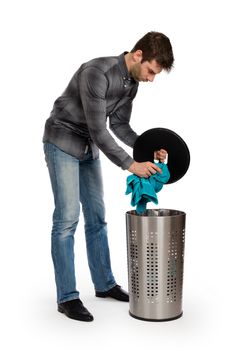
{"x": 128, "y": 61}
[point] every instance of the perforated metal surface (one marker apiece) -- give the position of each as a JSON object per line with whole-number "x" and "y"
{"x": 152, "y": 285}
{"x": 134, "y": 264}
{"x": 155, "y": 263}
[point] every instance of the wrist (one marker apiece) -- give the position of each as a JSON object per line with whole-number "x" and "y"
{"x": 132, "y": 167}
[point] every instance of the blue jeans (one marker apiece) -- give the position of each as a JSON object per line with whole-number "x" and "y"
{"x": 73, "y": 182}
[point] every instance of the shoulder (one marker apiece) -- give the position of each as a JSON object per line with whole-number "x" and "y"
{"x": 100, "y": 64}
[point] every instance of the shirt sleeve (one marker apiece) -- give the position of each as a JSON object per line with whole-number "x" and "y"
{"x": 119, "y": 124}
{"x": 93, "y": 85}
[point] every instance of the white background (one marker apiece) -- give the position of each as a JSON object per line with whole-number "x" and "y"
{"x": 42, "y": 44}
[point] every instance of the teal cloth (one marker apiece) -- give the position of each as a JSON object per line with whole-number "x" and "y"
{"x": 144, "y": 189}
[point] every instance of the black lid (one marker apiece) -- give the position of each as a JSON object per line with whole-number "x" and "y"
{"x": 157, "y": 138}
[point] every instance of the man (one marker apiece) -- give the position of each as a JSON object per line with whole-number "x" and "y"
{"x": 101, "y": 89}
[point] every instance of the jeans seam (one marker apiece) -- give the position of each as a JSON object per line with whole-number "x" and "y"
{"x": 60, "y": 209}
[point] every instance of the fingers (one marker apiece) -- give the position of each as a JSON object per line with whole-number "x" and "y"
{"x": 154, "y": 168}
{"x": 144, "y": 169}
{"x": 151, "y": 169}
{"x": 163, "y": 152}
{"x": 160, "y": 155}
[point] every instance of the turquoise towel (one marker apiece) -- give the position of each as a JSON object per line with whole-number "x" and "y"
{"x": 144, "y": 189}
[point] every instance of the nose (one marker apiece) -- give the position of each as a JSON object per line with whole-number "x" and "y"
{"x": 150, "y": 78}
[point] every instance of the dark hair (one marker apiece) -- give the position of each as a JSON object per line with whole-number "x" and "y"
{"x": 156, "y": 46}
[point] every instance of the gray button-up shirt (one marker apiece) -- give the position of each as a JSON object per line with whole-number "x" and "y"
{"x": 101, "y": 88}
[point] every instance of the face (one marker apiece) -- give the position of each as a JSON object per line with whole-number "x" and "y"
{"x": 145, "y": 71}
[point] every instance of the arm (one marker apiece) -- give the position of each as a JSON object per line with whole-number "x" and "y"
{"x": 119, "y": 124}
{"x": 93, "y": 86}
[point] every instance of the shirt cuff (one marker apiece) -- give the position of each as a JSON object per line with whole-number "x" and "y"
{"x": 127, "y": 162}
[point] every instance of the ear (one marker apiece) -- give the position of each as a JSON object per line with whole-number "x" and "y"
{"x": 137, "y": 56}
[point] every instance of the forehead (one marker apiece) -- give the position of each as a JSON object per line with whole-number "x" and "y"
{"x": 153, "y": 65}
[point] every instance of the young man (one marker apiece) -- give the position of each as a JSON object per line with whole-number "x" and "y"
{"x": 101, "y": 89}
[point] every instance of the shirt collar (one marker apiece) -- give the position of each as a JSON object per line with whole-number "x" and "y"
{"x": 123, "y": 67}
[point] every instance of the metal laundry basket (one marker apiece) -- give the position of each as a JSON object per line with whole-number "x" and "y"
{"x": 155, "y": 242}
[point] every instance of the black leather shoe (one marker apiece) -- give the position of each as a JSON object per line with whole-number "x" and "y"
{"x": 76, "y": 310}
{"x": 116, "y": 292}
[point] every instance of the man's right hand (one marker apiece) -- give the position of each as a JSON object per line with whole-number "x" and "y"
{"x": 144, "y": 169}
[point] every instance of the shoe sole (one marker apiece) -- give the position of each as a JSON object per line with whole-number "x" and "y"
{"x": 101, "y": 295}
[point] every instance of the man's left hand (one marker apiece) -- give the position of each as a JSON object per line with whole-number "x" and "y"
{"x": 160, "y": 155}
